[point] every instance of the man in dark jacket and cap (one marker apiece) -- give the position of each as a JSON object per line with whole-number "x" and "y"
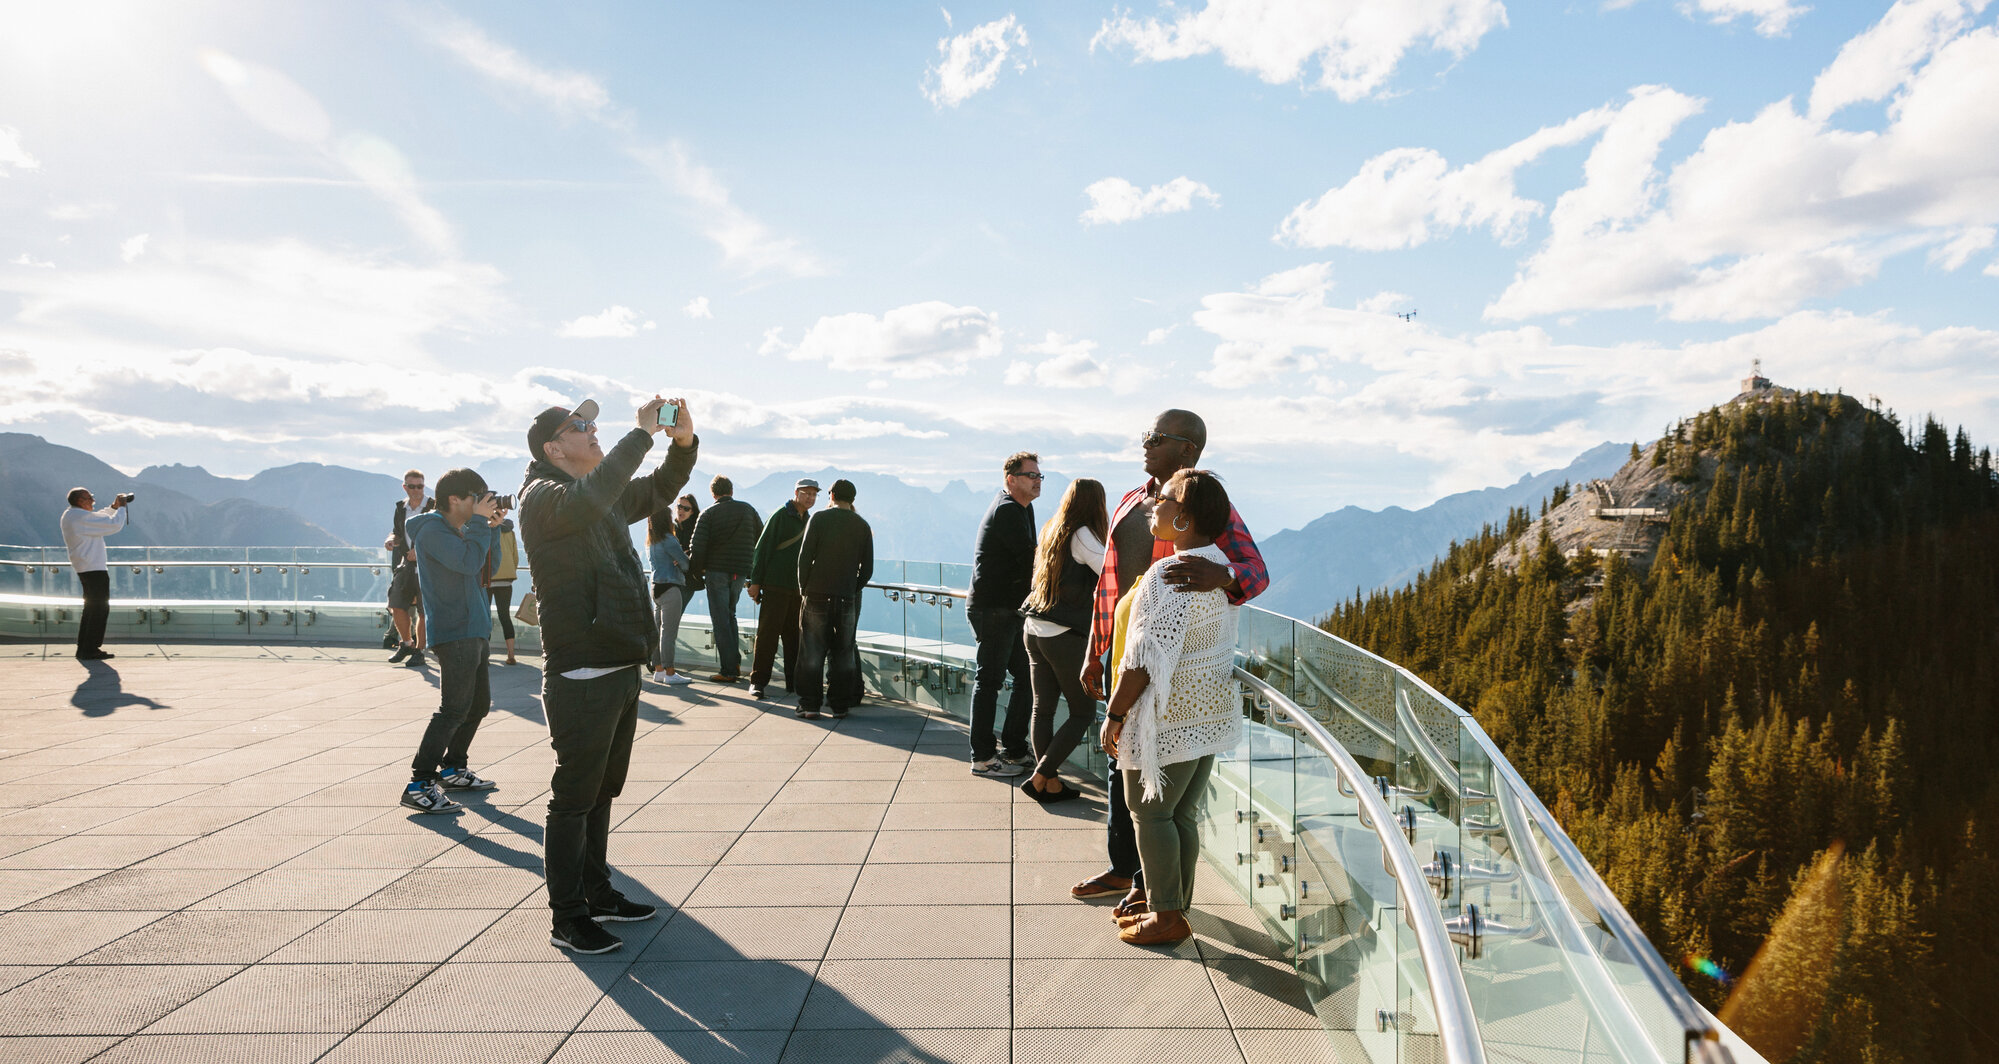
{"x": 597, "y": 631}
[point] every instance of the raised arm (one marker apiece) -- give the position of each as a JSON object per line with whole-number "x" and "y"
{"x": 437, "y": 544}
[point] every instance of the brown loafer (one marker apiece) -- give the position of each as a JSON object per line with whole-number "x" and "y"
{"x": 1163, "y": 929}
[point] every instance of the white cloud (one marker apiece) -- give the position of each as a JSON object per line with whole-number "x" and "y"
{"x": 1876, "y": 62}
{"x": 25, "y": 259}
{"x": 80, "y": 212}
{"x": 1114, "y": 200}
{"x": 131, "y": 248}
{"x": 1071, "y": 364}
{"x": 280, "y": 105}
{"x": 1356, "y": 43}
{"x": 697, "y": 308}
{"x": 1955, "y": 252}
{"x": 746, "y": 243}
{"x": 1158, "y": 336}
{"x": 288, "y": 297}
{"x": 12, "y": 154}
{"x": 1773, "y": 18}
{"x": 911, "y": 343}
{"x": 1404, "y": 197}
{"x": 611, "y": 323}
{"x": 1776, "y": 209}
{"x": 971, "y": 62}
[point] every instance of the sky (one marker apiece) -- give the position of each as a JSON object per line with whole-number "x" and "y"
{"x": 1389, "y": 251}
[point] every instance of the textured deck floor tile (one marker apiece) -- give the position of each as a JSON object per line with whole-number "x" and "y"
{"x": 509, "y": 1048}
{"x": 456, "y": 888}
{"x": 731, "y": 885}
{"x": 1075, "y": 930}
{"x": 1299, "y": 1047}
{"x": 93, "y": 851}
{"x": 303, "y": 888}
{"x": 770, "y": 933}
{"x": 901, "y": 931}
{"x": 848, "y": 770}
{"x": 1073, "y": 1046}
{"x": 987, "y": 1046}
{"x": 1261, "y": 995}
{"x": 521, "y": 936}
{"x": 829, "y": 817}
{"x": 689, "y": 816}
{"x": 114, "y": 999}
{"x": 387, "y": 935}
{"x": 837, "y": 792}
{"x": 705, "y": 996}
{"x": 209, "y": 937}
{"x": 293, "y": 999}
{"x": 960, "y": 846}
{"x": 933, "y": 884}
{"x": 61, "y": 937}
{"x": 220, "y": 1049}
{"x": 672, "y": 1047}
{"x": 946, "y": 816}
{"x": 36, "y": 1049}
{"x": 144, "y": 888}
{"x": 907, "y": 995}
{"x": 25, "y": 886}
{"x": 1069, "y": 993}
{"x": 498, "y": 997}
{"x": 800, "y": 848}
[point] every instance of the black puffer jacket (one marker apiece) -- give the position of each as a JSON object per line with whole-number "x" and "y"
{"x": 725, "y": 538}
{"x": 595, "y": 609}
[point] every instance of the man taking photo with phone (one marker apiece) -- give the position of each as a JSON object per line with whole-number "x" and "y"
{"x": 451, "y": 544}
{"x": 597, "y": 632}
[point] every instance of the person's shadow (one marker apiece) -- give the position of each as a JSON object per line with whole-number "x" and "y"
{"x": 101, "y": 694}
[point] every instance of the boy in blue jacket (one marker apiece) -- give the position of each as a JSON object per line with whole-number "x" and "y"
{"x": 452, "y": 544}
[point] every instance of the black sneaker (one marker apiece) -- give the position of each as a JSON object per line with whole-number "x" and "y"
{"x": 416, "y": 659}
{"x": 622, "y": 911}
{"x": 428, "y": 798}
{"x": 402, "y": 651}
{"x": 579, "y": 935}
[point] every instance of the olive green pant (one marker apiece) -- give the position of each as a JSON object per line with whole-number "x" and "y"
{"x": 1169, "y": 831}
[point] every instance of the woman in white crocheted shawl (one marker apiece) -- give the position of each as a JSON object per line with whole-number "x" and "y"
{"x": 1175, "y": 706}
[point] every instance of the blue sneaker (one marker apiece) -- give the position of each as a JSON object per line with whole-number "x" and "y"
{"x": 427, "y": 797}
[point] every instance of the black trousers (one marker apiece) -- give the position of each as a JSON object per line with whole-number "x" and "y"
{"x": 1123, "y": 834}
{"x": 503, "y": 601}
{"x": 1002, "y": 652}
{"x": 777, "y": 623}
{"x": 1055, "y": 664}
{"x": 829, "y": 661}
{"x": 464, "y": 696}
{"x": 96, "y": 611}
{"x": 590, "y": 724}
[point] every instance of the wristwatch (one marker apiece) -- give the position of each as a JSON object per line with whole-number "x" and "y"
{"x": 1230, "y": 569}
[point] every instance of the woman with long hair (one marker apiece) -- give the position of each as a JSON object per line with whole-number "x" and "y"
{"x": 1176, "y": 705}
{"x": 669, "y": 589}
{"x": 1057, "y": 611}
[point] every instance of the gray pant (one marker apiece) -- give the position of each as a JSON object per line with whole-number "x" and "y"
{"x": 463, "y": 699}
{"x": 1055, "y": 664}
{"x": 1169, "y": 832}
{"x": 590, "y": 724}
{"x": 671, "y": 602}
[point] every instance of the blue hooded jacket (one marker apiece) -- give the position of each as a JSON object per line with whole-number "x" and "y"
{"x": 448, "y": 563}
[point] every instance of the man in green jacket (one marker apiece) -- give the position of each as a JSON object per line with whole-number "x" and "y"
{"x": 774, "y": 586}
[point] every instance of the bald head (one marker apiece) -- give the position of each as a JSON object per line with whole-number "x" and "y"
{"x": 1184, "y": 423}
{"x": 1175, "y": 443}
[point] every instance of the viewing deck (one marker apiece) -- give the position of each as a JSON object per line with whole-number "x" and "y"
{"x": 204, "y": 861}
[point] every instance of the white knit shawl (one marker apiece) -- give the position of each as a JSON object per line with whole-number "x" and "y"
{"x": 1191, "y": 706}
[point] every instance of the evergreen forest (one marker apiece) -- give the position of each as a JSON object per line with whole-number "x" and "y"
{"x": 1778, "y": 741}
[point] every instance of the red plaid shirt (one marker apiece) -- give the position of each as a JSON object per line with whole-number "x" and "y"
{"x": 1250, "y": 574}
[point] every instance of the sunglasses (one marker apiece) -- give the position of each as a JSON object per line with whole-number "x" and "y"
{"x": 577, "y": 424}
{"x": 418, "y": 486}
{"x": 1027, "y": 476}
{"x": 1152, "y": 439}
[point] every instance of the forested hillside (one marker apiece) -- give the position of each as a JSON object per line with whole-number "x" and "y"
{"x": 1781, "y": 734}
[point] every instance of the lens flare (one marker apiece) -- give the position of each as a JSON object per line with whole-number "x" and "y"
{"x": 1708, "y": 968}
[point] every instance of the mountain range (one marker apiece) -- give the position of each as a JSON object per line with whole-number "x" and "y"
{"x": 309, "y": 504}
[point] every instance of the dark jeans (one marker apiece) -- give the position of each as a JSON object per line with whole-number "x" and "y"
{"x": 1123, "y": 834}
{"x": 590, "y": 724}
{"x": 777, "y": 623}
{"x": 1056, "y": 664}
{"x": 463, "y": 699}
{"x": 723, "y": 592}
{"x": 1002, "y": 652}
{"x": 503, "y": 601}
{"x": 829, "y": 662}
{"x": 96, "y": 610}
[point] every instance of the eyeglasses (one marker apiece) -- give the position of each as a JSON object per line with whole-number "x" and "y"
{"x": 1151, "y": 439}
{"x": 407, "y": 486}
{"x": 1028, "y": 476}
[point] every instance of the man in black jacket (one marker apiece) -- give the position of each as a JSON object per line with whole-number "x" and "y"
{"x": 597, "y": 631}
{"x": 725, "y": 544}
{"x": 774, "y": 587}
{"x": 834, "y": 563}
{"x": 1002, "y": 574}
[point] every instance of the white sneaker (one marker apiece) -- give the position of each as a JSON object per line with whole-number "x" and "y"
{"x": 660, "y": 676}
{"x": 675, "y": 679}
{"x": 995, "y": 767}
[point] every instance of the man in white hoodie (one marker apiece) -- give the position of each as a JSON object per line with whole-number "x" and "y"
{"x": 83, "y": 533}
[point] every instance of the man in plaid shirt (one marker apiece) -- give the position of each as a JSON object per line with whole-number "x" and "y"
{"x": 1175, "y": 442}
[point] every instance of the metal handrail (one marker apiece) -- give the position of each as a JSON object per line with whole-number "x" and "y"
{"x": 1456, "y": 1026}
{"x": 1703, "y": 1040}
